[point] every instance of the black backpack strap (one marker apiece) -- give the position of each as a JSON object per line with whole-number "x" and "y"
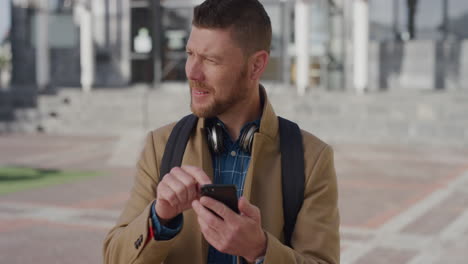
{"x": 292, "y": 171}
{"x": 175, "y": 146}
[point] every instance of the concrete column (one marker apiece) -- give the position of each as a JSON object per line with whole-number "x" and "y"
{"x": 99, "y": 12}
{"x": 42, "y": 46}
{"x": 113, "y": 23}
{"x": 302, "y": 45}
{"x": 125, "y": 40}
{"x": 86, "y": 46}
{"x": 285, "y": 39}
{"x": 361, "y": 44}
{"x": 158, "y": 43}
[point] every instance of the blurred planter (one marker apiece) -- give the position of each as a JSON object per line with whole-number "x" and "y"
{"x": 5, "y": 66}
{"x": 5, "y": 77}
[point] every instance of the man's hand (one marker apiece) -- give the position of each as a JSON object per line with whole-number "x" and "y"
{"x": 231, "y": 233}
{"x": 177, "y": 190}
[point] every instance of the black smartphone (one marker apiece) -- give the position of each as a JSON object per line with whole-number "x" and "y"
{"x": 225, "y": 193}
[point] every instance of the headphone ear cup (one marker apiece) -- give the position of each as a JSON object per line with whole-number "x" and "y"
{"x": 215, "y": 138}
{"x": 209, "y": 137}
{"x": 219, "y": 139}
{"x": 246, "y": 139}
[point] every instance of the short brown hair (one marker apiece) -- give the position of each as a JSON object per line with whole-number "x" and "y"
{"x": 247, "y": 18}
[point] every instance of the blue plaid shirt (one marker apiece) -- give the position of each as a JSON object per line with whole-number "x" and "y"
{"x": 230, "y": 167}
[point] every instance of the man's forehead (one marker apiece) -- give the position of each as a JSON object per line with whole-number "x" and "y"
{"x": 210, "y": 40}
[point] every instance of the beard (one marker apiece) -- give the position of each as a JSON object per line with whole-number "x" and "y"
{"x": 220, "y": 101}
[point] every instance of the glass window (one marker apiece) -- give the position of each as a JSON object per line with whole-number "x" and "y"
{"x": 60, "y": 5}
{"x": 63, "y": 33}
{"x": 177, "y": 26}
{"x": 4, "y": 19}
{"x": 428, "y": 19}
{"x": 275, "y": 14}
{"x": 319, "y": 28}
{"x": 458, "y": 18}
{"x": 176, "y": 22}
{"x": 381, "y": 20}
{"x": 272, "y": 72}
{"x": 407, "y": 19}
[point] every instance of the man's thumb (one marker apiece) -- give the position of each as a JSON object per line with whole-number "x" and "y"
{"x": 248, "y": 209}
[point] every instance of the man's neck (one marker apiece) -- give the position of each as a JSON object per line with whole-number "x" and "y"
{"x": 242, "y": 113}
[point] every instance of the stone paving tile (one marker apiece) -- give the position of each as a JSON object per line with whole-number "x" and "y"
{"x": 387, "y": 256}
{"x": 440, "y": 216}
{"x": 103, "y": 202}
{"x": 355, "y": 237}
{"x": 361, "y": 207}
{"x": 11, "y": 226}
{"x": 98, "y": 217}
{"x": 7, "y": 210}
{"x": 47, "y": 151}
{"x": 394, "y": 171}
{"x": 89, "y": 160}
{"x": 49, "y": 243}
{"x": 383, "y": 185}
{"x": 76, "y": 192}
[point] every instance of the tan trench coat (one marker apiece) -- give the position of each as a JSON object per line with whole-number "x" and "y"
{"x": 316, "y": 235}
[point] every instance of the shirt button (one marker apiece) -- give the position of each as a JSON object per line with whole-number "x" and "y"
{"x": 233, "y": 153}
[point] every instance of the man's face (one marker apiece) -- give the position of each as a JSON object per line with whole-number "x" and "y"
{"x": 217, "y": 72}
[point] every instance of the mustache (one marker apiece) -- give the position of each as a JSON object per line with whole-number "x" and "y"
{"x": 200, "y": 85}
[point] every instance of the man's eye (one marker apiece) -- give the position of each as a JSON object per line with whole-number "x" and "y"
{"x": 189, "y": 53}
{"x": 210, "y": 60}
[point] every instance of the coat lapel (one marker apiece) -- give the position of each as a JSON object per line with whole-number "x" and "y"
{"x": 264, "y": 152}
{"x": 263, "y": 182}
{"x": 197, "y": 153}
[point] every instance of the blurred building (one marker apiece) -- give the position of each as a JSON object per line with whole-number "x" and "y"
{"x": 144, "y": 41}
{"x": 409, "y": 44}
{"x": 418, "y": 44}
{"x": 110, "y": 36}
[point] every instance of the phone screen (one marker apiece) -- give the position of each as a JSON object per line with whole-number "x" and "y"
{"x": 225, "y": 193}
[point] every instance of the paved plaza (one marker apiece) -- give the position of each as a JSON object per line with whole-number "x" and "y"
{"x": 401, "y": 161}
{"x": 399, "y": 204}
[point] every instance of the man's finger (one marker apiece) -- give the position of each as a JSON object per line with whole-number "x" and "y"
{"x": 178, "y": 188}
{"x": 167, "y": 194}
{"x": 190, "y": 183}
{"x": 198, "y": 174}
{"x": 211, "y": 219}
{"x": 219, "y": 208}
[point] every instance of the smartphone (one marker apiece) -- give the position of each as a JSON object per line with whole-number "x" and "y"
{"x": 225, "y": 193}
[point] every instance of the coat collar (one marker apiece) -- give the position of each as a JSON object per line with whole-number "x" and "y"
{"x": 269, "y": 120}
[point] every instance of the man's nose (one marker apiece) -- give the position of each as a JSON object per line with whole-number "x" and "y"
{"x": 194, "y": 70}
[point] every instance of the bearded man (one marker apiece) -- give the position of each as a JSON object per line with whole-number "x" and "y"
{"x": 167, "y": 220}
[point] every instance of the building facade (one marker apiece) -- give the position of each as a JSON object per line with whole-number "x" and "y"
{"x": 409, "y": 44}
{"x": 418, "y": 44}
{"x": 64, "y": 26}
{"x": 136, "y": 41}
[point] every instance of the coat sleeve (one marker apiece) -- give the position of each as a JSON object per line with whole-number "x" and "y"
{"x": 315, "y": 238}
{"x": 127, "y": 241}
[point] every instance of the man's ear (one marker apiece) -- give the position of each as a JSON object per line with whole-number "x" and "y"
{"x": 258, "y": 63}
